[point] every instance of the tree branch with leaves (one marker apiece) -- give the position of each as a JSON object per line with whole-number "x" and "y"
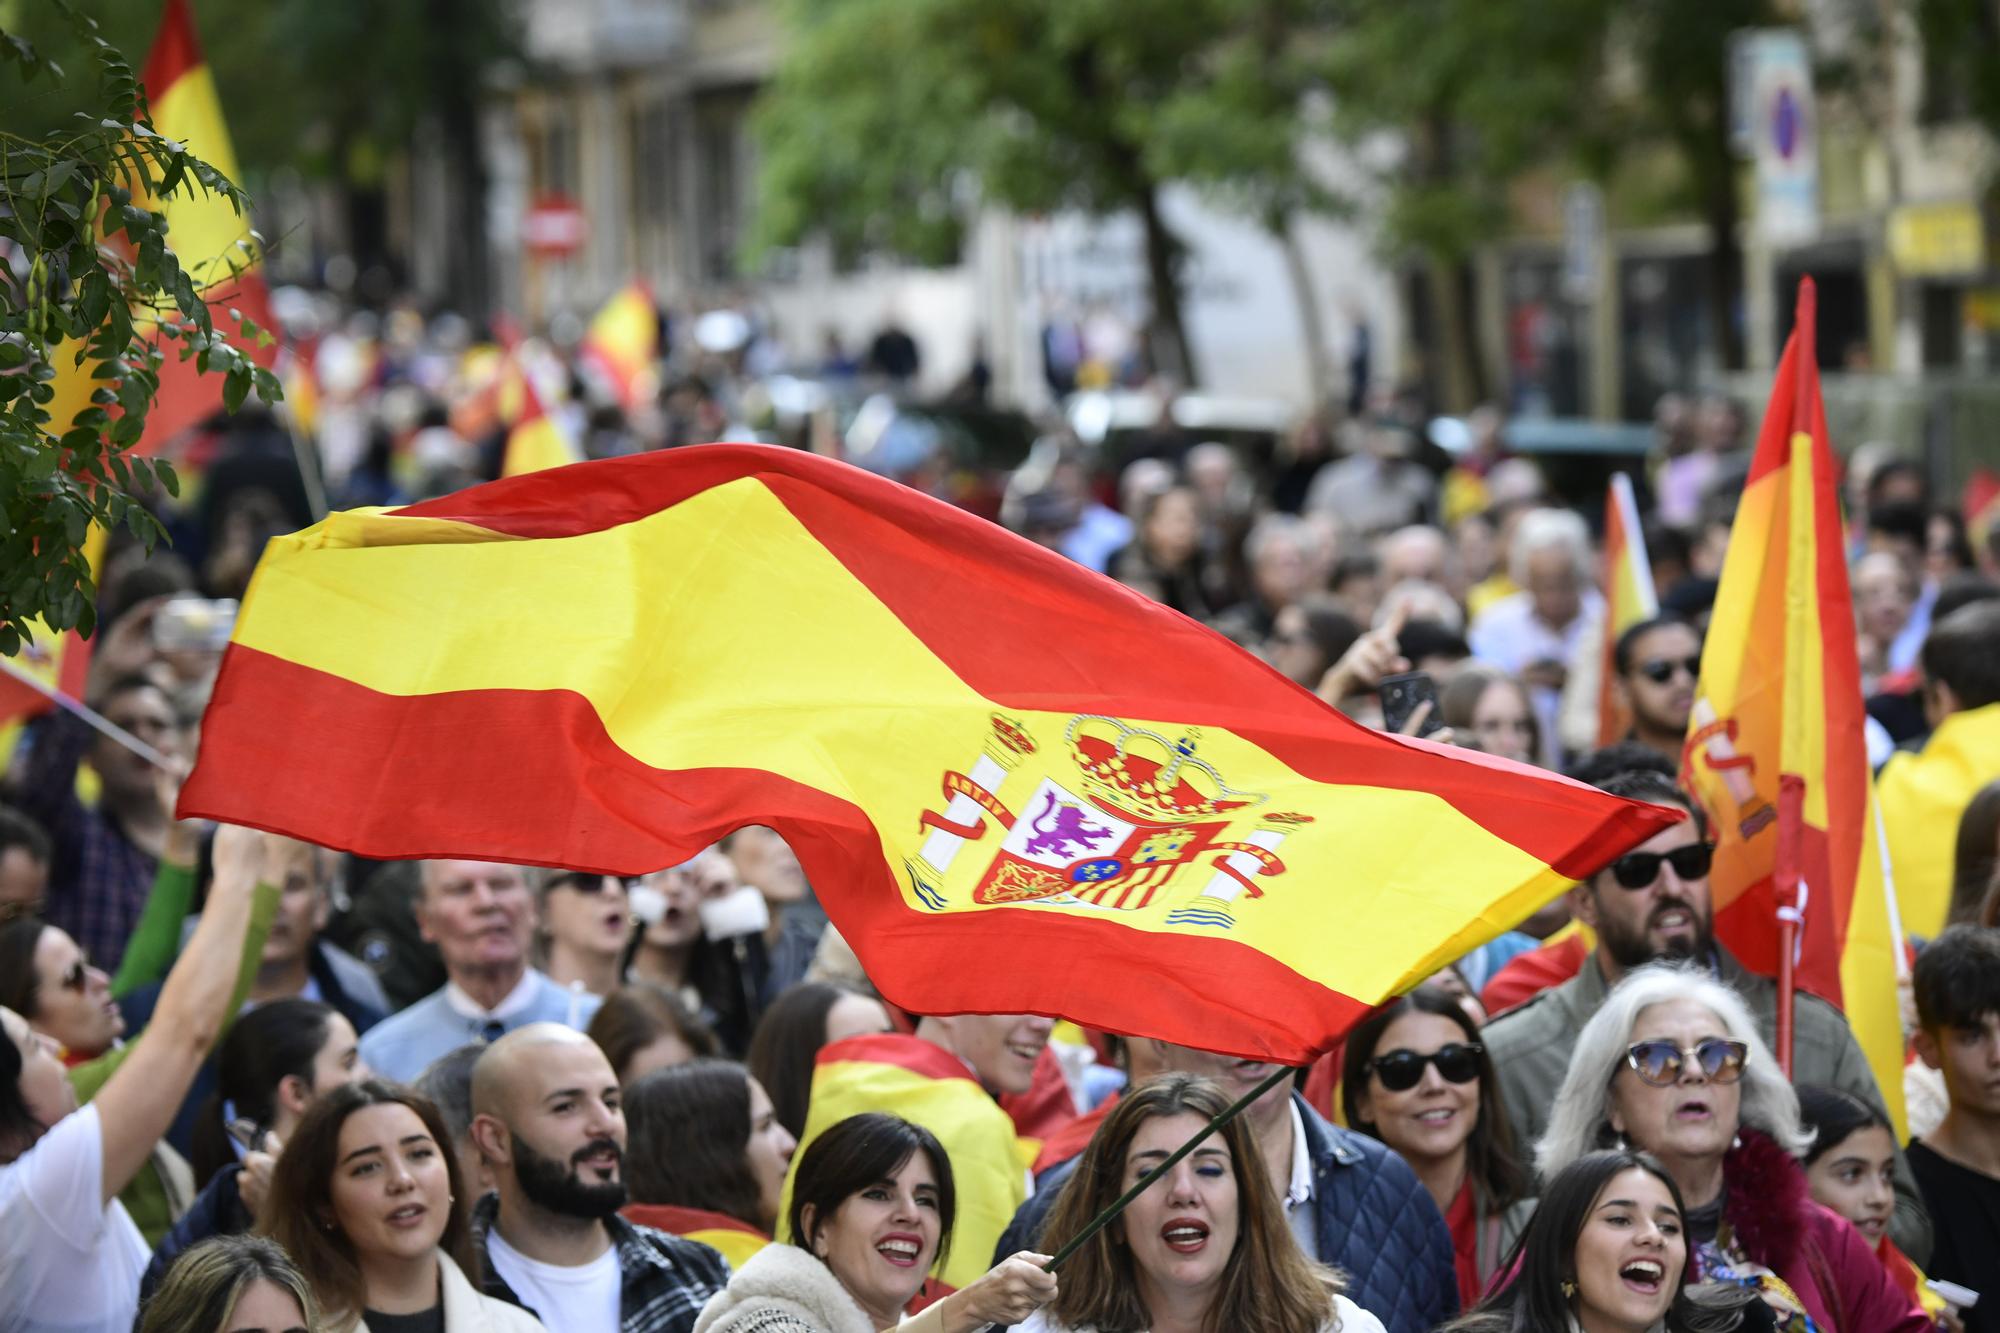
{"x": 93, "y": 295}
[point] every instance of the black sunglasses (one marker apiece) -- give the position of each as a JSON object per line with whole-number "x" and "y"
{"x": 1638, "y": 870}
{"x": 77, "y": 977}
{"x": 1660, "y": 670}
{"x": 591, "y": 883}
{"x": 1457, "y": 1062}
{"x": 1660, "y": 1062}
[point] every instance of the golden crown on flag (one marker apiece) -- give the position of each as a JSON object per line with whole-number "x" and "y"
{"x": 1143, "y": 774}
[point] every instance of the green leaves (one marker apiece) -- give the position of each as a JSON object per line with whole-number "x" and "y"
{"x": 83, "y": 333}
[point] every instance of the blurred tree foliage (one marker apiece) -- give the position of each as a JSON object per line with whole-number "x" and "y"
{"x": 90, "y": 289}
{"x": 889, "y": 119}
{"x": 333, "y": 91}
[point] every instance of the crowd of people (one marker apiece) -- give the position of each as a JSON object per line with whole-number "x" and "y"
{"x": 248, "y": 1083}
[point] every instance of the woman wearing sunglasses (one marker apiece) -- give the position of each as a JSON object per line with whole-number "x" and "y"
{"x": 1416, "y": 1077}
{"x": 1672, "y": 1065}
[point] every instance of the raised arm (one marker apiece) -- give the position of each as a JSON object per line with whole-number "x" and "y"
{"x": 138, "y": 1102}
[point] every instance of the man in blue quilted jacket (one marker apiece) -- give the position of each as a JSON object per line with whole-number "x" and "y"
{"x": 1351, "y": 1201}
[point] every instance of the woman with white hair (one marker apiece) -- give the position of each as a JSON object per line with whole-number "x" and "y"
{"x": 1672, "y": 1065}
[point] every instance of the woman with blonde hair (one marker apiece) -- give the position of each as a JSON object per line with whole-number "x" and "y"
{"x": 229, "y": 1283}
{"x": 1205, "y": 1247}
{"x": 1673, "y": 1065}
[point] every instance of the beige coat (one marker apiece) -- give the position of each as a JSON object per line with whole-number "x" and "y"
{"x": 466, "y": 1310}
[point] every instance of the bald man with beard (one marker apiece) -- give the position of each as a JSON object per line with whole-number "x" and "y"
{"x": 549, "y": 1124}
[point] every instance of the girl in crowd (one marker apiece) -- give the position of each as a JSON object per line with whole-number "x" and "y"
{"x": 274, "y": 1061}
{"x": 1416, "y": 1077}
{"x": 1309, "y": 636}
{"x": 1607, "y": 1252}
{"x": 585, "y": 925}
{"x": 367, "y": 1199}
{"x": 1491, "y": 710}
{"x": 1672, "y": 1064}
{"x": 1206, "y": 1247}
{"x": 871, "y": 1211}
{"x": 802, "y": 1019}
{"x": 1850, "y": 1168}
{"x": 715, "y": 978}
{"x": 706, "y": 1156}
{"x": 232, "y": 1283}
{"x": 1166, "y": 562}
{"x": 642, "y": 1027}
{"x": 71, "y": 1253}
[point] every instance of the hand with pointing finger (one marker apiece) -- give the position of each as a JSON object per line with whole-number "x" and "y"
{"x": 1374, "y": 655}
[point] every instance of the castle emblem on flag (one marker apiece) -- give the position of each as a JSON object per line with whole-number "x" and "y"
{"x": 1114, "y": 820}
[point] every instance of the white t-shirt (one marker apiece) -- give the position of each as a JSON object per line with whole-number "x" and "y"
{"x": 583, "y": 1299}
{"x": 69, "y": 1262}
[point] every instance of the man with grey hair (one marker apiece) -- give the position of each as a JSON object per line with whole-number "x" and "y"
{"x": 1537, "y": 632}
{"x": 481, "y": 918}
{"x": 1652, "y": 905}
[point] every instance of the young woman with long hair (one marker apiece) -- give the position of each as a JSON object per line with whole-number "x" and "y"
{"x": 1205, "y": 1248}
{"x": 368, "y": 1200}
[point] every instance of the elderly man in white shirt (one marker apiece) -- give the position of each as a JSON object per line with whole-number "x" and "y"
{"x": 1537, "y": 632}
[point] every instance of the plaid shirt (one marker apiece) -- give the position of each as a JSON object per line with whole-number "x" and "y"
{"x": 664, "y": 1280}
{"x": 98, "y": 881}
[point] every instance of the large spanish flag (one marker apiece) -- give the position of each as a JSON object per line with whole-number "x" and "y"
{"x": 1628, "y": 599}
{"x": 928, "y": 1085}
{"x": 1018, "y": 786}
{"x": 1775, "y": 750}
{"x": 210, "y": 238}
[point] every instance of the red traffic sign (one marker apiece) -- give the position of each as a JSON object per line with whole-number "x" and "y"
{"x": 555, "y": 227}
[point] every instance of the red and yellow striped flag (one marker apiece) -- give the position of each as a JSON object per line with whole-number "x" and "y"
{"x": 537, "y": 441}
{"x": 733, "y": 1239}
{"x": 929, "y": 1086}
{"x": 980, "y": 750}
{"x": 1628, "y": 599}
{"x": 1775, "y": 750}
{"x": 205, "y": 232}
{"x": 623, "y": 342}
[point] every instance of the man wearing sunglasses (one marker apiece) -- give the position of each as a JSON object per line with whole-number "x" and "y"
{"x": 1654, "y": 666}
{"x": 1653, "y": 904}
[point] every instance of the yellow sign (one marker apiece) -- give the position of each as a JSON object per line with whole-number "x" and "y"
{"x": 1937, "y": 240}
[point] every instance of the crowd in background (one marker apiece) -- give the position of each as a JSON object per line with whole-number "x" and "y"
{"x": 251, "y": 1083}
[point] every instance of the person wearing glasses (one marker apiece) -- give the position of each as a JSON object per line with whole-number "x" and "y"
{"x": 1416, "y": 1077}
{"x": 1653, "y": 904}
{"x": 1672, "y": 1064}
{"x": 481, "y": 917}
{"x": 586, "y": 922}
{"x": 1654, "y": 666}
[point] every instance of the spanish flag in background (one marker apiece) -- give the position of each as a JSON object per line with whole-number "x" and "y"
{"x": 1775, "y": 751}
{"x": 1628, "y": 599}
{"x": 208, "y": 235}
{"x": 203, "y": 231}
{"x": 61, "y": 661}
{"x": 734, "y": 1239}
{"x": 622, "y": 344}
{"x": 1017, "y": 786}
{"x": 537, "y": 440}
{"x": 929, "y": 1086}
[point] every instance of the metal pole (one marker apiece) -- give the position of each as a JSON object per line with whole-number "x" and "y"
{"x": 87, "y": 713}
